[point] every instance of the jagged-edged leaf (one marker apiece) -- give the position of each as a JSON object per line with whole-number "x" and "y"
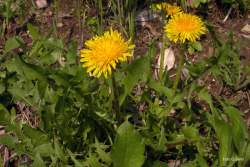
{"x": 128, "y": 149}
{"x": 8, "y": 140}
{"x": 38, "y": 161}
{"x": 12, "y": 43}
{"x": 5, "y": 116}
{"x": 44, "y": 150}
{"x": 224, "y": 135}
{"x": 138, "y": 70}
{"x": 160, "y": 164}
{"x": 33, "y": 31}
{"x": 37, "y": 136}
{"x": 160, "y": 88}
{"x": 239, "y": 130}
{"x": 191, "y": 133}
{"x": 201, "y": 161}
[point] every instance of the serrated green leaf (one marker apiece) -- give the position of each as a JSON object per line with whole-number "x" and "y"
{"x": 204, "y": 95}
{"x": 197, "y": 46}
{"x": 191, "y": 50}
{"x": 138, "y": 70}
{"x": 59, "y": 151}
{"x": 160, "y": 164}
{"x": 224, "y": 135}
{"x": 160, "y": 88}
{"x": 20, "y": 94}
{"x": 5, "y": 116}
{"x": 188, "y": 164}
{"x": 38, "y": 161}
{"x": 128, "y": 149}
{"x": 2, "y": 87}
{"x": 11, "y": 44}
{"x": 204, "y": 1}
{"x": 71, "y": 55}
{"x": 76, "y": 162}
{"x": 8, "y": 140}
{"x": 201, "y": 161}
{"x": 195, "y": 3}
{"x": 35, "y": 135}
{"x": 191, "y": 133}
{"x": 247, "y": 155}
{"x": 45, "y": 150}
{"x": 34, "y": 32}
{"x": 29, "y": 72}
{"x": 239, "y": 130}
{"x": 100, "y": 150}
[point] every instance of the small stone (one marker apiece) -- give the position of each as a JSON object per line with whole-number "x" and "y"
{"x": 147, "y": 15}
{"x": 41, "y": 4}
{"x": 49, "y": 13}
{"x": 59, "y": 25}
{"x": 246, "y": 36}
{"x": 185, "y": 73}
{"x": 169, "y": 59}
{"x": 246, "y": 29}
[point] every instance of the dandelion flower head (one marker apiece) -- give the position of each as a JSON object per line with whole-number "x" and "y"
{"x": 185, "y": 27}
{"x": 103, "y": 53}
{"x": 171, "y": 10}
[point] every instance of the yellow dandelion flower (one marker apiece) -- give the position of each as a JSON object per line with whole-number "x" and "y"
{"x": 103, "y": 53}
{"x": 169, "y": 9}
{"x": 184, "y": 27}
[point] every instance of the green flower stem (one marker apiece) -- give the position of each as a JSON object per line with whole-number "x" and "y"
{"x": 178, "y": 73}
{"x": 162, "y": 49}
{"x": 178, "y": 76}
{"x": 100, "y": 16}
{"x": 120, "y": 11}
{"x": 116, "y": 106}
{"x": 131, "y": 24}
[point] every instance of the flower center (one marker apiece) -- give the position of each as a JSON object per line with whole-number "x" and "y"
{"x": 185, "y": 25}
{"x": 109, "y": 50}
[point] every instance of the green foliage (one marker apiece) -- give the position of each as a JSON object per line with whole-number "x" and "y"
{"x": 12, "y": 43}
{"x": 128, "y": 148}
{"x": 6, "y": 10}
{"x": 124, "y": 14}
{"x": 134, "y": 75}
{"x": 196, "y": 3}
{"x": 195, "y": 46}
{"x": 225, "y": 66}
{"x": 242, "y": 5}
{"x": 78, "y": 123}
{"x": 229, "y": 67}
{"x": 63, "y": 97}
